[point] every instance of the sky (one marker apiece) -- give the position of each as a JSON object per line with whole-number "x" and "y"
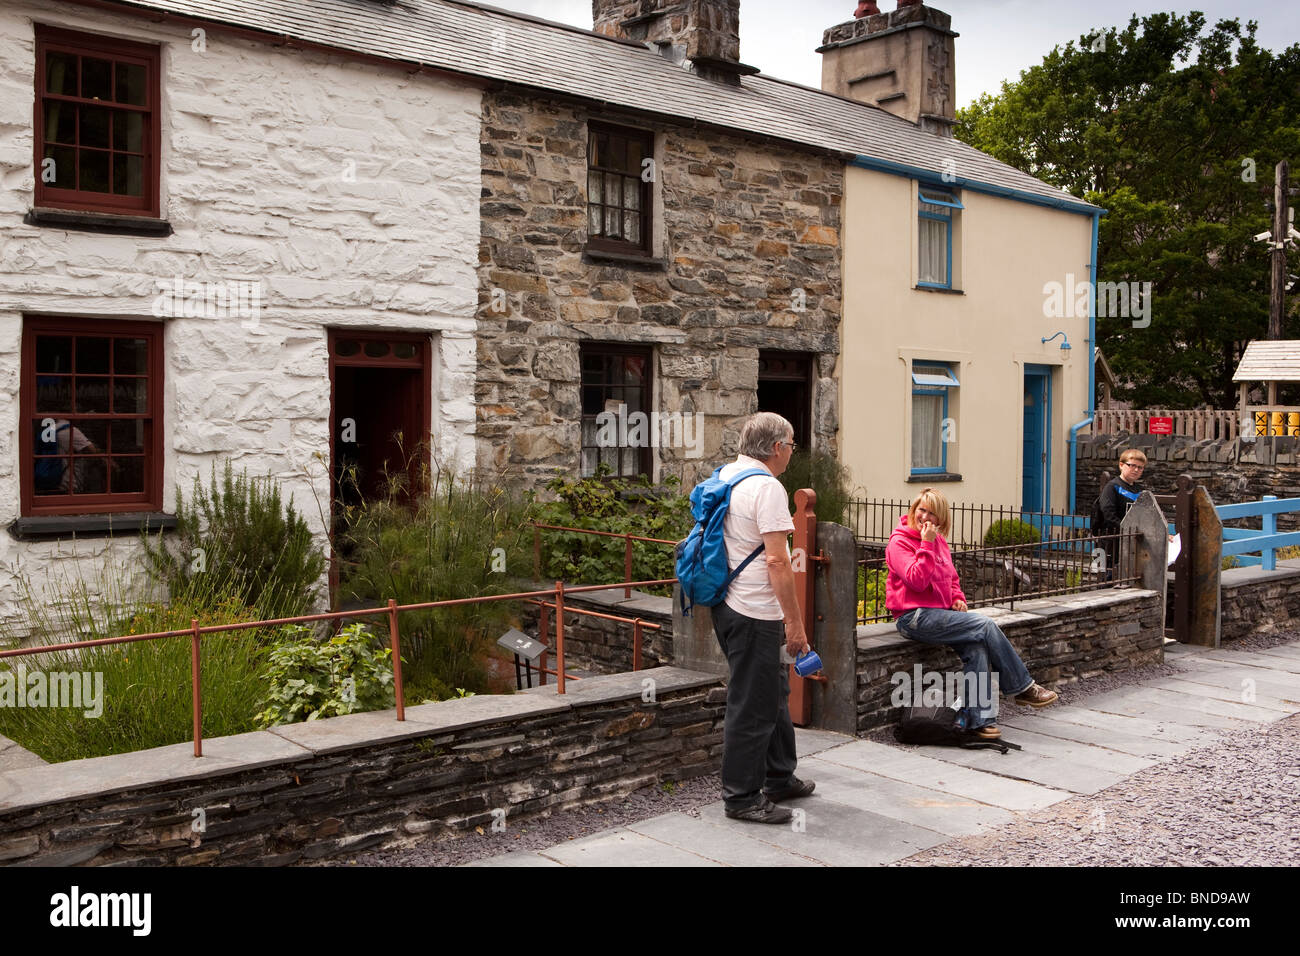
{"x": 998, "y": 38}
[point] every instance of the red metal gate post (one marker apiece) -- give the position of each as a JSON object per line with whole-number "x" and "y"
{"x": 805, "y": 542}
{"x": 196, "y": 697}
{"x": 395, "y": 642}
{"x": 559, "y": 637}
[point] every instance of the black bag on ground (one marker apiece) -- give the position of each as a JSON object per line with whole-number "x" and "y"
{"x": 937, "y": 726}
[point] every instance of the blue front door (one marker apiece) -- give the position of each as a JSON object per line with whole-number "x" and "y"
{"x": 1035, "y": 473}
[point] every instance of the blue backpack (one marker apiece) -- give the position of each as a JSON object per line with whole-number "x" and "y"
{"x": 702, "y": 567}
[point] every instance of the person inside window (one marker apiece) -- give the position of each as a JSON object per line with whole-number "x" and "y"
{"x": 53, "y": 476}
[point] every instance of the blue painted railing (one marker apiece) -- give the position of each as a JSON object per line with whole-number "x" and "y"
{"x": 1258, "y": 547}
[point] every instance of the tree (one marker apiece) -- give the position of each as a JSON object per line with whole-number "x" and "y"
{"x": 1176, "y": 132}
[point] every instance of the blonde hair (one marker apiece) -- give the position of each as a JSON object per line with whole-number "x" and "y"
{"x": 935, "y": 503}
{"x": 1130, "y": 455}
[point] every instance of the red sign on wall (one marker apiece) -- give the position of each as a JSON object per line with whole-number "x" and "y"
{"x": 1161, "y": 425}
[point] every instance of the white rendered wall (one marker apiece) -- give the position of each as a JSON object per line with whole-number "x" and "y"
{"x": 350, "y": 190}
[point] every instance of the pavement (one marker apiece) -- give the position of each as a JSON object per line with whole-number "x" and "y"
{"x": 879, "y": 803}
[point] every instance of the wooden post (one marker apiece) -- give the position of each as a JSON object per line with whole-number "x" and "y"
{"x": 1183, "y": 566}
{"x": 1277, "y": 291}
{"x": 1150, "y": 559}
{"x": 805, "y": 543}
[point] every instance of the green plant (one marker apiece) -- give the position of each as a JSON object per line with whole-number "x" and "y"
{"x": 310, "y": 678}
{"x": 459, "y": 538}
{"x": 670, "y": 787}
{"x": 824, "y": 474}
{"x": 871, "y": 586}
{"x": 1073, "y": 577}
{"x": 1009, "y": 531}
{"x": 1229, "y": 561}
{"x": 236, "y": 539}
{"x": 619, "y": 505}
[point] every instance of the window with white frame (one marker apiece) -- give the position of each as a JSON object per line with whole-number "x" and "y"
{"x": 937, "y": 212}
{"x": 933, "y": 427}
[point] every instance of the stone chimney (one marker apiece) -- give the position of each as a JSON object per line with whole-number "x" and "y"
{"x": 901, "y": 61}
{"x": 702, "y": 35}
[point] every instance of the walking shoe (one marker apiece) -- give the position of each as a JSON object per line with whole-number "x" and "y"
{"x": 795, "y": 789}
{"x": 987, "y": 732}
{"x": 765, "y": 811}
{"x": 1037, "y": 696}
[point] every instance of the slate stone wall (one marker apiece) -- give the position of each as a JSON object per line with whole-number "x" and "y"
{"x": 603, "y": 646}
{"x": 747, "y": 258}
{"x": 1060, "y": 640}
{"x": 1256, "y": 601}
{"x": 308, "y": 792}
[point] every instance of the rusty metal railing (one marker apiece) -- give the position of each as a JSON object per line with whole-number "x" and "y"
{"x": 538, "y": 528}
{"x": 195, "y": 633}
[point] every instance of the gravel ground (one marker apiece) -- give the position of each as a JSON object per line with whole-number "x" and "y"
{"x": 1156, "y": 817}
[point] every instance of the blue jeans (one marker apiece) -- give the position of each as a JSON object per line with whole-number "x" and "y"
{"x": 983, "y": 648}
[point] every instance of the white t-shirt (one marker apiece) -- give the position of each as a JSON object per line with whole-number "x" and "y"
{"x": 759, "y": 505}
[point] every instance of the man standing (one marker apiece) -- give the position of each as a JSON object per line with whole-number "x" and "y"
{"x": 759, "y": 616}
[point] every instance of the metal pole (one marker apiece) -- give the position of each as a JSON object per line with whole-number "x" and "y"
{"x": 196, "y": 701}
{"x": 537, "y": 553}
{"x": 559, "y": 637}
{"x": 544, "y": 636}
{"x": 636, "y": 645}
{"x": 627, "y": 562}
{"x": 395, "y": 642}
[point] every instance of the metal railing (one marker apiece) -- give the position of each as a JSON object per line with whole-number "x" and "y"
{"x": 195, "y": 633}
{"x": 873, "y": 519}
{"x": 1006, "y": 574}
{"x": 1241, "y": 542}
{"x": 627, "y": 538}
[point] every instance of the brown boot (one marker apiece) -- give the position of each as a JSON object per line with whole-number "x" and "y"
{"x": 1037, "y": 696}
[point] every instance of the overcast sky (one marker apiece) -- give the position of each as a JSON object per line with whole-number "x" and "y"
{"x": 998, "y": 38}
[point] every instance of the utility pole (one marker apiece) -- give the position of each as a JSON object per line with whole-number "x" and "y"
{"x": 1280, "y": 225}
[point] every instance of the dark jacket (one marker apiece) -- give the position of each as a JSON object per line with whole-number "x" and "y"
{"x": 1115, "y": 502}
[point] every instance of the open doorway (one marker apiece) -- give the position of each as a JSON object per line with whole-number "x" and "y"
{"x": 785, "y": 387}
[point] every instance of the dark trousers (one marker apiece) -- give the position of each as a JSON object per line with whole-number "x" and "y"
{"x": 758, "y": 738}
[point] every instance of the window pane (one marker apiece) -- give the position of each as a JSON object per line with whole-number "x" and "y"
{"x": 91, "y": 394}
{"x": 612, "y": 197}
{"x": 60, "y": 122}
{"x": 127, "y": 437}
{"x": 53, "y": 393}
{"x": 62, "y": 172}
{"x": 88, "y": 476}
{"x": 126, "y": 476}
{"x": 53, "y": 353}
{"x": 92, "y": 354}
{"x": 94, "y": 126}
{"x": 593, "y": 187}
{"x": 633, "y": 154}
{"x": 632, "y": 194}
{"x": 128, "y": 131}
{"x": 94, "y": 171}
{"x": 631, "y": 227}
{"x": 130, "y": 396}
{"x": 130, "y": 356}
{"x": 927, "y": 413}
{"x": 933, "y": 261}
{"x": 61, "y": 73}
{"x": 128, "y": 175}
{"x": 347, "y": 347}
{"x": 89, "y": 436}
{"x": 594, "y": 221}
{"x": 131, "y": 83}
{"x": 596, "y": 150}
{"x": 404, "y": 350}
{"x": 376, "y": 349}
{"x": 612, "y": 223}
{"x": 96, "y": 79}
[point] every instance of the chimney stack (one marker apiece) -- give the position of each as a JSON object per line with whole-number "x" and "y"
{"x": 901, "y": 61}
{"x": 703, "y": 35}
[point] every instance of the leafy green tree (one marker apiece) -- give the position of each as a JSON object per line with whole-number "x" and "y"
{"x": 1175, "y": 131}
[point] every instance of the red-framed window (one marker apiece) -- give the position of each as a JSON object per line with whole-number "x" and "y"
{"x": 91, "y": 406}
{"x": 97, "y": 123}
{"x": 620, "y": 196}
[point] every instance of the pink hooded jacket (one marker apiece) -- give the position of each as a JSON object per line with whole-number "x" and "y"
{"x": 921, "y": 573}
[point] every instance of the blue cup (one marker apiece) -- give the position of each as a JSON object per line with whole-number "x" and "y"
{"x": 807, "y": 663}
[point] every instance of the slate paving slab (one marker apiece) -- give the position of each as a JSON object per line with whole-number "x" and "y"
{"x": 934, "y": 774}
{"x": 1131, "y": 743}
{"x": 516, "y": 858}
{"x": 1273, "y": 683}
{"x": 1230, "y": 693}
{"x": 732, "y": 843}
{"x": 623, "y": 848}
{"x": 1273, "y": 662}
{"x": 1157, "y": 729}
{"x": 1087, "y": 754}
{"x": 1054, "y": 772}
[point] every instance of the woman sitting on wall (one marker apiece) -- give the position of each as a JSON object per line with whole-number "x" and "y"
{"x": 924, "y": 596}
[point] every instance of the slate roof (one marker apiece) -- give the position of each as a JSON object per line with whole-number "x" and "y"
{"x": 499, "y": 45}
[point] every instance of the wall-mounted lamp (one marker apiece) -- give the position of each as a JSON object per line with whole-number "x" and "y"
{"x": 1065, "y": 342}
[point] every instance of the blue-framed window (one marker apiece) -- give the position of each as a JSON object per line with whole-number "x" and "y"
{"x": 932, "y": 427}
{"x": 937, "y": 211}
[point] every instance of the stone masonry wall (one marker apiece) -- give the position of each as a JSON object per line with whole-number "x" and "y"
{"x": 741, "y": 226}
{"x": 593, "y": 643}
{"x": 1230, "y": 470}
{"x": 309, "y": 791}
{"x": 1255, "y": 601}
{"x": 348, "y": 190}
{"x": 1061, "y": 640}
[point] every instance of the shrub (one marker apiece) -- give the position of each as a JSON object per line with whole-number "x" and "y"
{"x": 146, "y": 698}
{"x": 461, "y": 538}
{"x": 310, "y": 678}
{"x": 871, "y": 585}
{"x": 245, "y": 543}
{"x": 823, "y": 473}
{"x": 620, "y": 505}
{"x": 1009, "y": 531}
